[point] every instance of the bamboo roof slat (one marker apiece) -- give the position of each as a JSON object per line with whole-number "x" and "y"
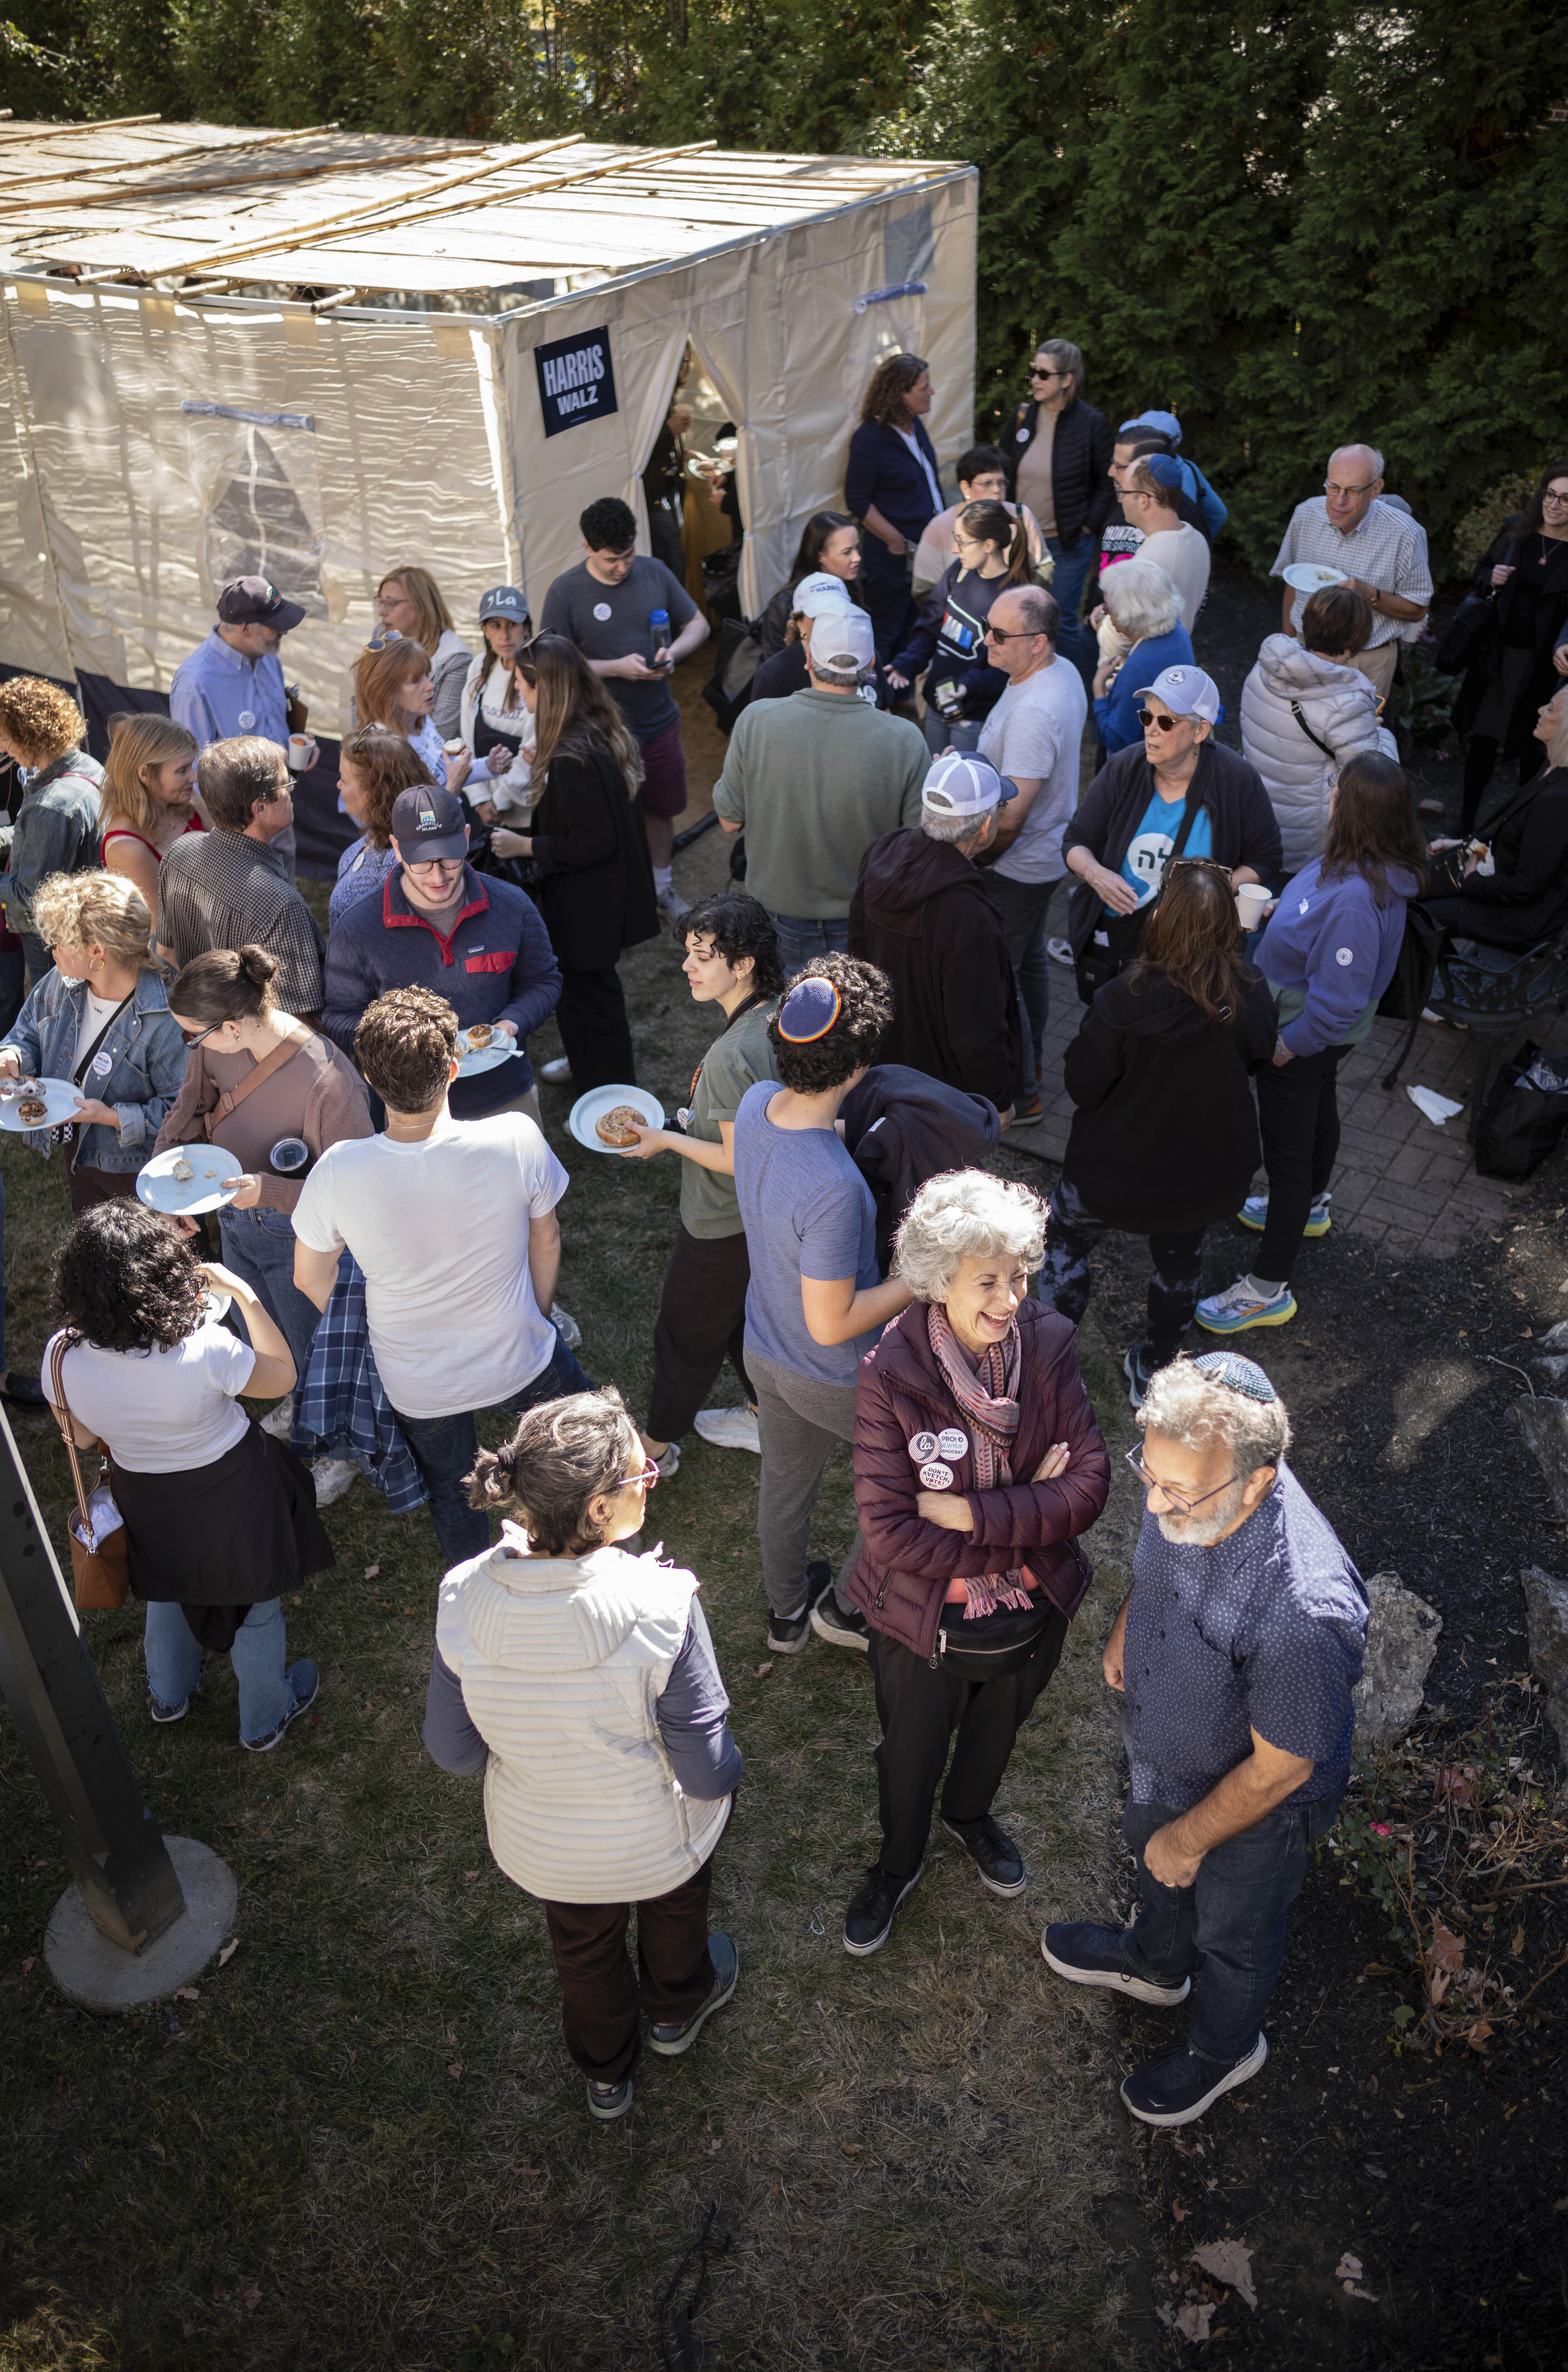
{"x": 114, "y": 191}
{"x": 72, "y": 131}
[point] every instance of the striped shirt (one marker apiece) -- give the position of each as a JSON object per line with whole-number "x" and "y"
{"x": 1387, "y": 550}
{"x": 224, "y": 890}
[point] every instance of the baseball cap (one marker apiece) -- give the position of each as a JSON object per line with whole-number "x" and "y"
{"x": 843, "y": 639}
{"x": 962, "y": 783}
{"x": 428, "y": 823}
{"x": 1186, "y": 691}
{"x": 824, "y": 591}
{"x": 1166, "y": 422}
{"x": 504, "y": 601}
{"x": 252, "y": 602}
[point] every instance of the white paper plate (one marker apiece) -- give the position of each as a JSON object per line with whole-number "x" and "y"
{"x": 472, "y": 1060}
{"x": 1312, "y": 576}
{"x": 61, "y": 1096}
{"x": 591, "y": 1109}
{"x": 158, "y": 1187}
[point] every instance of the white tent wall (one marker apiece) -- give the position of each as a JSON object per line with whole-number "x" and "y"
{"x": 414, "y": 436}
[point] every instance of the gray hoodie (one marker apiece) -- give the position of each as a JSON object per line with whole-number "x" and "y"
{"x": 1338, "y": 704}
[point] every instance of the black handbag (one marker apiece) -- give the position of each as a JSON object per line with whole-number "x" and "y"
{"x": 740, "y": 654}
{"x": 1409, "y": 989}
{"x": 1470, "y": 633}
{"x": 1523, "y": 1120}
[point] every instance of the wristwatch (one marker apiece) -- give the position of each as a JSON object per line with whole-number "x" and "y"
{"x": 1376, "y": 598}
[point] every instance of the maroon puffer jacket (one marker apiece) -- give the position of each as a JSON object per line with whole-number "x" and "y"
{"x": 901, "y": 1581}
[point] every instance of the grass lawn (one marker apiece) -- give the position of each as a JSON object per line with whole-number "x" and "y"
{"x": 364, "y": 2145}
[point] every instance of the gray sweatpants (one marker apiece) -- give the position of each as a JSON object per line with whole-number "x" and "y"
{"x": 799, "y": 1420}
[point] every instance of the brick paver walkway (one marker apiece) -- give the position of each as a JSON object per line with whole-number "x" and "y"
{"x": 1398, "y": 1180}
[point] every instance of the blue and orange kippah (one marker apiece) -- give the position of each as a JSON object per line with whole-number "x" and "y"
{"x": 810, "y": 1010}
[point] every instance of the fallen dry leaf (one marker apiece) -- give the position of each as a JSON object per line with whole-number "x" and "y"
{"x": 1353, "y": 2289}
{"x": 470, "y": 1873}
{"x": 1348, "y": 2269}
{"x": 371, "y": 1571}
{"x": 28, "y": 1964}
{"x": 253, "y": 2298}
{"x": 1178, "y": 2210}
{"x": 763, "y": 1670}
{"x": 1193, "y": 2321}
{"x": 455, "y": 2067}
{"x": 188, "y": 1992}
{"x": 1447, "y": 1950}
{"x": 220, "y": 2291}
{"x": 1453, "y": 1787}
{"x": 1519, "y": 1944}
{"x": 227, "y": 1953}
{"x": 1231, "y": 2262}
{"x": 1479, "y": 2035}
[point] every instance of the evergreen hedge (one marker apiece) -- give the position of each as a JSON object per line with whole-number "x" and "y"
{"x": 1291, "y": 225}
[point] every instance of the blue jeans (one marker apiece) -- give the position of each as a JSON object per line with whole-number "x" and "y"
{"x": 800, "y": 939}
{"x": 1232, "y": 1919}
{"x": 940, "y": 735}
{"x": 174, "y": 1663}
{"x": 444, "y": 1448}
{"x": 258, "y": 1246}
{"x": 1067, "y": 585}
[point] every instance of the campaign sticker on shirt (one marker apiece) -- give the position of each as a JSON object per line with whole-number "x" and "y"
{"x": 921, "y": 1447}
{"x": 247, "y": 719}
{"x": 101, "y": 1065}
{"x": 1343, "y": 955}
{"x": 936, "y": 1477}
{"x": 602, "y": 610}
{"x": 951, "y": 1443}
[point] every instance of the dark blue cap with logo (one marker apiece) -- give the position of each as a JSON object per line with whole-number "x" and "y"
{"x": 428, "y": 824}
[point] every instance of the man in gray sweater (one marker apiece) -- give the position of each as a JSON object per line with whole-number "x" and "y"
{"x": 813, "y": 781}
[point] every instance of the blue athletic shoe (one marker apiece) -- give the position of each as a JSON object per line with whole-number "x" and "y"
{"x": 1254, "y": 1213}
{"x": 1241, "y": 1305}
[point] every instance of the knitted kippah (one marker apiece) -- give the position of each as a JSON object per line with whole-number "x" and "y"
{"x": 1242, "y": 1375}
{"x": 1163, "y": 468}
{"x": 809, "y": 1011}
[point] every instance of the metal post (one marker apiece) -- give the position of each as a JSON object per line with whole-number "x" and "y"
{"x": 114, "y": 1846}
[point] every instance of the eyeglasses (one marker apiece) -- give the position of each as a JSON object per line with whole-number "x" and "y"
{"x": 647, "y": 1478}
{"x": 1152, "y": 1482}
{"x": 195, "y": 1037}
{"x": 1329, "y": 487}
{"x": 1556, "y": 502}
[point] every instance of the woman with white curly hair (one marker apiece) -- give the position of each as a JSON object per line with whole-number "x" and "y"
{"x": 977, "y": 1462}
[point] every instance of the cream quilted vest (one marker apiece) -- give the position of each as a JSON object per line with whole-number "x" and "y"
{"x": 563, "y": 1662}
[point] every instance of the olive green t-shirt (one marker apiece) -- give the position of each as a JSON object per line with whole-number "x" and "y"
{"x": 735, "y": 1062}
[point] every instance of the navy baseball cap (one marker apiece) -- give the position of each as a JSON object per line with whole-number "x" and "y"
{"x": 428, "y": 824}
{"x": 252, "y": 602}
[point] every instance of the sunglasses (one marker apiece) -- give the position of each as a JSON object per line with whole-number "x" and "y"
{"x": 1152, "y": 1482}
{"x": 1164, "y": 724}
{"x": 1208, "y": 864}
{"x": 195, "y": 1037}
{"x": 1050, "y": 374}
{"x": 1008, "y": 634}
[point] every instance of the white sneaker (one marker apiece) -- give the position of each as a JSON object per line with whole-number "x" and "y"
{"x": 669, "y": 1463}
{"x": 556, "y": 1072}
{"x": 671, "y": 904}
{"x": 1060, "y": 951}
{"x": 332, "y": 1477}
{"x": 566, "y": 1326}
{"x": 280, "y": 1422}
{"x": 730, "y": 1428}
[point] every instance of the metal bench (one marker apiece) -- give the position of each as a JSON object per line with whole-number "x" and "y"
{"x": 1499, "y": 1009}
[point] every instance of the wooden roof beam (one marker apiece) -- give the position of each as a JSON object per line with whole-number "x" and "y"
{"x": 69, "y": 201}
{"x": 69, "y": 130}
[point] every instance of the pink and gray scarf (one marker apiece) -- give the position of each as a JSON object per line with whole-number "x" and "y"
{"x": 987, "y": 1397}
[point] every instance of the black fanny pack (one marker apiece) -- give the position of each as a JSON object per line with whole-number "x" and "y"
{"x": 1007, "y": 1640}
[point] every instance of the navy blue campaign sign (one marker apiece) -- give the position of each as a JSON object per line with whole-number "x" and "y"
{"x": 577, "y": 380}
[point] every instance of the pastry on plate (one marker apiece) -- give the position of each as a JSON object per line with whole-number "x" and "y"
{"x": 32, "y": 1108}
{"x": 480, "y": 1035}
{"x": 618, "y": 1127}
{"x": 183, "y": 1170}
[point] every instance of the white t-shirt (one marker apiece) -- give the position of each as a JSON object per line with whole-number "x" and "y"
{"x": 441, "y": 1231}
{"x": 98, "y": 1012}
{"x": 1033, "y": 734}
{"x": 161, "y": 1412}
{"x": 1184, "y": 556}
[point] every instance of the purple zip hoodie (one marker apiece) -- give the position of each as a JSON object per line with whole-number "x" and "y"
{"x": 1331, "y": 942}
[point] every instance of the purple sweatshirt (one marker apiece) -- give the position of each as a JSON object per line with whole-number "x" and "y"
{"x": 1330, "y": 952}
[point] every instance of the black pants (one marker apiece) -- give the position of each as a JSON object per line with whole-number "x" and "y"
{"x": 601, "y": 1996}
{"x": 919, "y": 1710}
{"x": 1175, "y": 1275}
{"x": 701, "y": 1318}
{"x": 1480, "y": 762}
{"x": 591, "y": 1017}
{"x": 1299, "y": 1112}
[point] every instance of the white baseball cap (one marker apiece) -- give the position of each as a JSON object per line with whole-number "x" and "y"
{"x": 824, "y": 591}
{"x": 1186, "y": 691}
{"x": 841, "y": 637}
{"x": 962, "y": 783}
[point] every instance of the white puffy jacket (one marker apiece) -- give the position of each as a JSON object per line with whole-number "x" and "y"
{"x": 1339, "y": 706}
{"x": 563, "y": 1661}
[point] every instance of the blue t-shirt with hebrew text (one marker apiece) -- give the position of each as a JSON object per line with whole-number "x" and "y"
{"x": 1154, "y": 841}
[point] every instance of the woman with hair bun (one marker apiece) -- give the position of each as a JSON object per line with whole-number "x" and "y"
{"x": 991, "y": 556}
{"x": 275, "y": 1094}
{"x": 580, "y": 1680}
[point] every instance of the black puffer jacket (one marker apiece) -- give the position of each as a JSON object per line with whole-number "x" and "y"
{"x": 922, "y": 914}
{"x": 1080, "y": 460}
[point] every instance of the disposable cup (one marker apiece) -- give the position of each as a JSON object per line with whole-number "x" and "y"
{"x": 300, "y": 753}
{"x": 1250, "y": 901}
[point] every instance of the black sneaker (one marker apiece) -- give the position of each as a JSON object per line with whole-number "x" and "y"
{"x": 671, "y": 2040}
{"x": 993, "y": 1854}
{"x": 788, "y": 1634}
{"x": 872, "y": 1910}
{"x": 1087, "y": 1954}
{"x": 1138, "y": 1370}
{"x": 607, "y": 2102}
{"x": 1176, "y": 2088}
{"x": 841, "y": 1626}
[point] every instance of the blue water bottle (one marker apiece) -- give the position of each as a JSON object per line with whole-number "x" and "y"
{"x": 658, "y": 622}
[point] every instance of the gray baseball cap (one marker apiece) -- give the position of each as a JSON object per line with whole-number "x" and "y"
{"x": 504, "y": 601}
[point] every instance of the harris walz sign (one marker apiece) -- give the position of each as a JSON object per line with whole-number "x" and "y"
{"x": 577, "y": 380}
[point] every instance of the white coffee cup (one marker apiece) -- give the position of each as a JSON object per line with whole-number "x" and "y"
{"x": 1250, "y": 901}
{"x": 300, "y": 753}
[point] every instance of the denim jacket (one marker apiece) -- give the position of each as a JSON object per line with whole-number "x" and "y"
{"x": 55, "y": 831}
{"x": 146, "y": 1064}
